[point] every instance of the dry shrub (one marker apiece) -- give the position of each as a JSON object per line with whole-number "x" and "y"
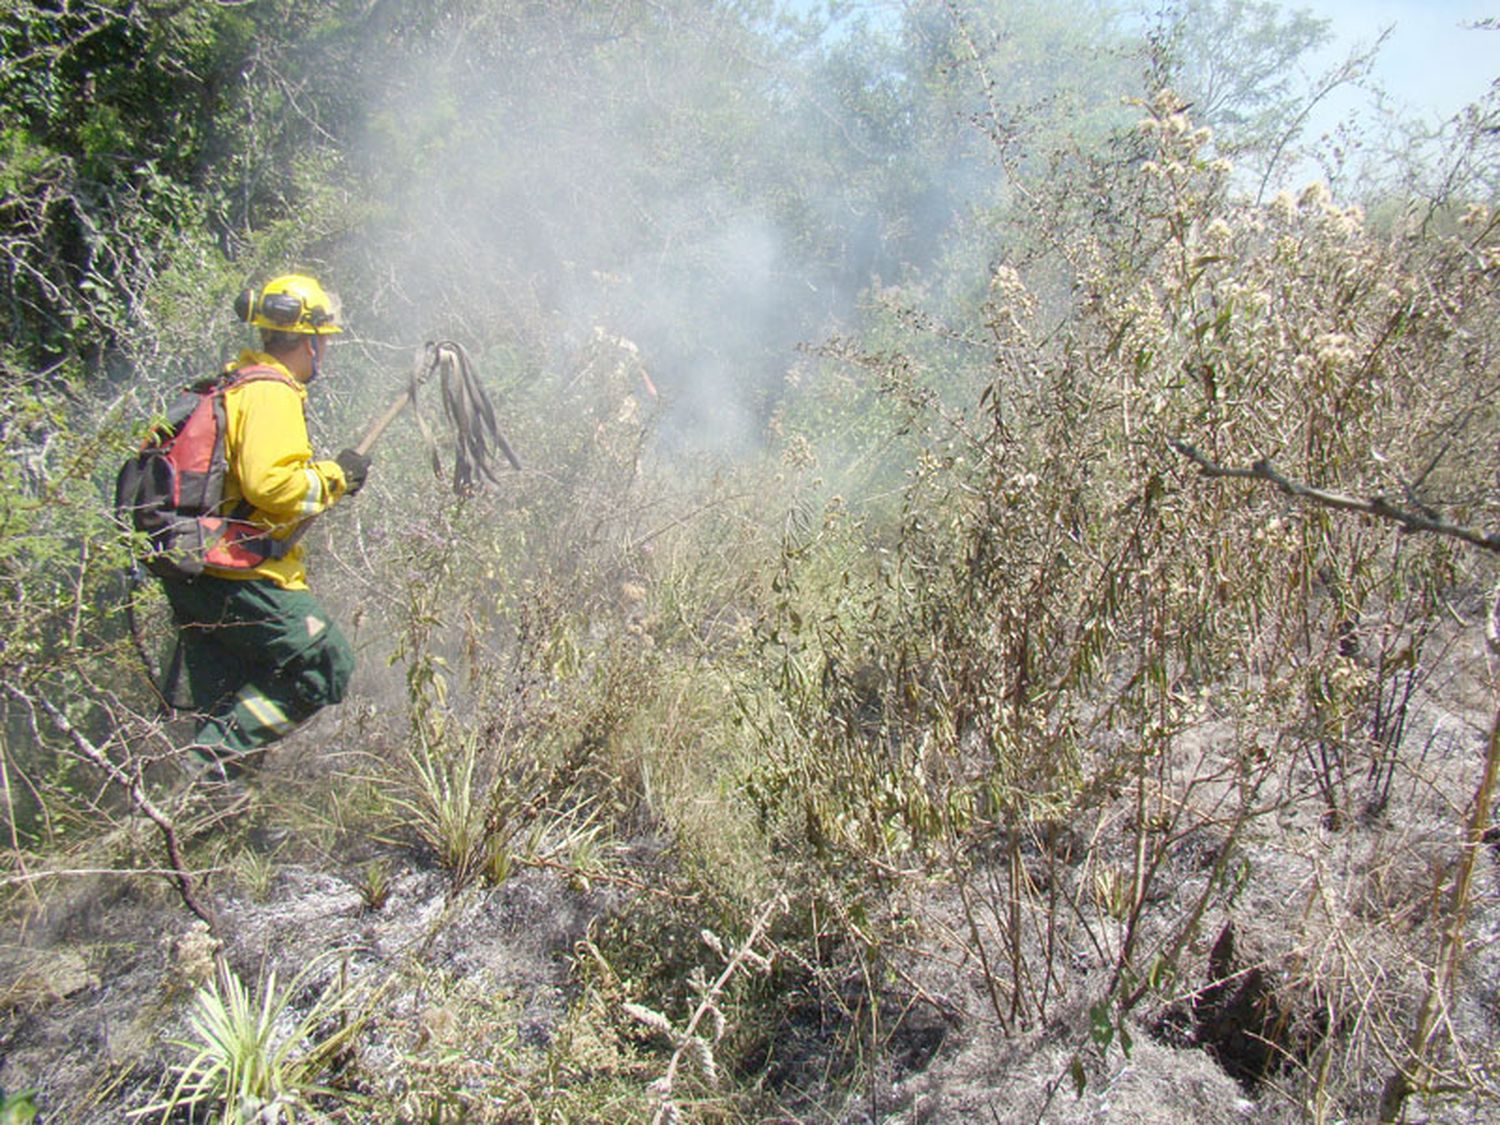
{"x": 1096, "y": 707}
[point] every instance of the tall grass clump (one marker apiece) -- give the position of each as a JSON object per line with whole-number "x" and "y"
{"x": 557, "y": 636}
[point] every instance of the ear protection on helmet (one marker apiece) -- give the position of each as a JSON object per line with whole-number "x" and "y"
{"x": 290, "y": 303}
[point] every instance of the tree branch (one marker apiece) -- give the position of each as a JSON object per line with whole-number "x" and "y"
{"x": 1377, "y": 506}
{"x": 134, "y": 788}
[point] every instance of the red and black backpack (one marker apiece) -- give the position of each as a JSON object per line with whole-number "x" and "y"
{"x": 173, "y": 489}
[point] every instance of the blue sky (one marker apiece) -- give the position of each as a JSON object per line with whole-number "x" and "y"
{"x": 1432, "y": 65}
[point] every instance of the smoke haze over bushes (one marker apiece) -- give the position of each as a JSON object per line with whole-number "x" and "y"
{"x": 714, "y": 188}
{"x": 986, "y": 702}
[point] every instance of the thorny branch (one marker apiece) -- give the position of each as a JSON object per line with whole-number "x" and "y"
{"x": 1375, "y": 506}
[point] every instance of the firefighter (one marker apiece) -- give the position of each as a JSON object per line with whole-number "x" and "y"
{"x": 260, "y": 652}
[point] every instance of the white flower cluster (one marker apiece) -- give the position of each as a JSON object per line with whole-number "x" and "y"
{"x": 1315, "y": 201}
{"x": 1179, "y": 143}
{"x": 1335, "y": 349}
{"x": 1012, "y": 305}
{"x": 1218, "y": 234}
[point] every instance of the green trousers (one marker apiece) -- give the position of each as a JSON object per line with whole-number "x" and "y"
{"x": 259, "y": 660}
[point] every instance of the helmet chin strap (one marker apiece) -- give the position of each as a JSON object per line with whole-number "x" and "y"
{"x": 312, "y": 343}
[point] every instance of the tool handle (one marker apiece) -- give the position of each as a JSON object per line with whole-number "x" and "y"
{"x": 372, "y": 435}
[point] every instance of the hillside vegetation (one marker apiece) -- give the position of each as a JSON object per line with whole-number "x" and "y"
{"x": 997, "y": 621}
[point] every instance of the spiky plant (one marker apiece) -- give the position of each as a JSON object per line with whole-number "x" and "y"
{"x": 255, "y": 1059}
{"x": 437, "y": 798}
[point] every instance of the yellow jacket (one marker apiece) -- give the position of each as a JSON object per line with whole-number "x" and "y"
{"x": 271, "y": 466}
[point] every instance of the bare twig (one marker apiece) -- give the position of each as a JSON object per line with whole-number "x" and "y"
{"x": 1410, "y": 1073}
{"x": 134, "y": 789}
{"x": 1377, "y": 506}
{"x": 28, "y": 877}
{"x": 1352, "y": 69}
{"x": 1414, "y": 1068}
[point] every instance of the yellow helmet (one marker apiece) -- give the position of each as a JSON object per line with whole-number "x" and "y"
{"x": 292, "y": 302}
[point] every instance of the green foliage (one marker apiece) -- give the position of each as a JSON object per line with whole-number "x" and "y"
{"x": 18, "y": 1108}
{"x": 1236, "y": 62}
{"x": 447, "y": 810}
{"x": 60, "y": 554}
{"x": 23, "y": 160}
{"x": 258, "y": 1057}
{"x": 138, "y": 139}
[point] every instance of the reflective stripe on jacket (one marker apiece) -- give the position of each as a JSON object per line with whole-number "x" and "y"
{"x": 271, "y": 466}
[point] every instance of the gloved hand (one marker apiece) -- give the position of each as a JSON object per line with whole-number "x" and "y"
{"x": 356, "y": 467}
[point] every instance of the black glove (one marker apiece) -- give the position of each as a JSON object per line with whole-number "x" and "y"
{"x": 356, "y": 467}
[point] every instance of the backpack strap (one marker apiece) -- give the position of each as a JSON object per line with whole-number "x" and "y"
{"x": 237, "y": 545}
{"x": 231, "y": 541}
{"x": 254, "y": 373}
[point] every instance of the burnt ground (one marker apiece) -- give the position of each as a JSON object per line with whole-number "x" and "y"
{"x": 491, "y": 988}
